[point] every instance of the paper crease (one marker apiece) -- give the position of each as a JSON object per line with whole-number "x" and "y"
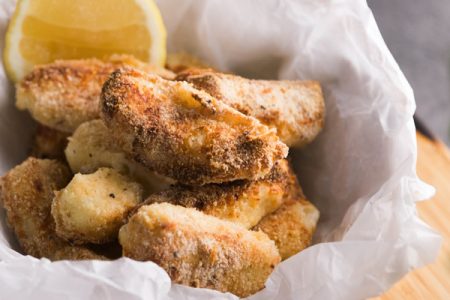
{"x": 360, "y": 172}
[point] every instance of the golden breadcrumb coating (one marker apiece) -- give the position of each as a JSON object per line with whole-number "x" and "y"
{"x": 291, "y": 227}
{"x": 48, "y": 143}
{"x": 200, "y": 250}
{"x": 27, "y": 193}
{"x": 241, "y": 202}
{"x": 295, "y": 108}
{"x": 92, "y": 207}
{"x": 181, "y": 61}
{"x": 91, "y": 147}
{"x": 64, "y": 94}
{"x": 184, "y": 133}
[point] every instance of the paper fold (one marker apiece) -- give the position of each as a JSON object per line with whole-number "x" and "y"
{"x": 360, "y": 172}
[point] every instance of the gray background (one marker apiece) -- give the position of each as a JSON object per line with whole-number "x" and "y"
{"x": 418, "y": 34}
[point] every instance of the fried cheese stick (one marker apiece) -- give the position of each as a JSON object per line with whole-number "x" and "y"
{"x": 241, "y": 202}
{"x": 184, "y": 133}
{"x": 27, "y": 193}
{"x": 200, "y": 250}
{"x": 91, "y": 147}
{"x": 291, "y": 227}
{"x": 91, "y": 208}
{"x": 64, "y": 94}
{"x": 295, "y": 108}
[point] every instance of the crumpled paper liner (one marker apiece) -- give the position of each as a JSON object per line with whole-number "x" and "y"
{"x": 360, "y": 172}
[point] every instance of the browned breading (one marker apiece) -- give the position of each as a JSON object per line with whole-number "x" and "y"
{"x": 64, "y": 94}
{"x": 200, "y": 250}
{"x": 295, "y": 108}
{"x": 27, "y": 192}
{"x": 91, "y": 147}
{"x": 49, "y": 143}
{"x": 91, "y": 208}
{"x": 181, "y": 61}
{"x": 241, "y": 202}
{"x": 291, "y": 226}
{"x": 184, "y": 133}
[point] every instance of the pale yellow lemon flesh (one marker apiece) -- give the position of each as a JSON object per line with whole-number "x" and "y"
{"x": 42, "y": 31}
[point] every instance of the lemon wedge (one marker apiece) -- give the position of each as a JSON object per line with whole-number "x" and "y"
{"x": 41, "y": 31}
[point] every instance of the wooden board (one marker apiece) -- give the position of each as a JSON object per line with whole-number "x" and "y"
{"x": 432, "y": 281}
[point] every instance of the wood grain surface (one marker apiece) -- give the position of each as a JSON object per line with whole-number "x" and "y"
{"x": 432, "y": 281}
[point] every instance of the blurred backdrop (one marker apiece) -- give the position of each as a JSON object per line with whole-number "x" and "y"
{"x": 418, "y": 34}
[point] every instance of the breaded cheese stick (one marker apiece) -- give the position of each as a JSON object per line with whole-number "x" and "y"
{"x": 241, "y": 202}
{"x": 92, "y": 207}
{"x": 49, "y": 143}
{"x": 291, "y": 226}
{"x": 64, "y": 94}
{"x": 184, "y": 133}
{"x": 91, "y": 147}
{"x": 295, "y": 108}
{"x": 200, "y": 250}
{"x": 27, "y": 193}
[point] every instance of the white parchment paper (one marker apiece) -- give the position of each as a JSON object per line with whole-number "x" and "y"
{"x": 360, "y": 172}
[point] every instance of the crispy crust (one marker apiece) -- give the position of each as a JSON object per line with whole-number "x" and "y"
{"x": 199, "y": 250}
{"x": 91, "y": 147}
{"x": 295, "y": 108}
{"x": 184, "y": 133}
{"x": 291, "y": 227}
{"x": 91, "y": 208}
{"x": 49, "y": 143}
{"x": 241, "y": 202}
{"x": 64, "y": 94}
{"x": 27, "y": 193}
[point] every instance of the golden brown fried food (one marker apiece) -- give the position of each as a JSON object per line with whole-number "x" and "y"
{"x": 27, "y": 194}
{"x": 64, "y": 94}
{"x": 184, "y": 133}
{"x": 92, "y": 207}
{"x": 291, "y": 226}
{"x": 180, "y": 61}
{"x": 241, "y": 202}
{"x": 48, "y": 143}
{"x": 91, "y": 147}
{"x": 200, "y": 250}
{"x": 295, "y": 108}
